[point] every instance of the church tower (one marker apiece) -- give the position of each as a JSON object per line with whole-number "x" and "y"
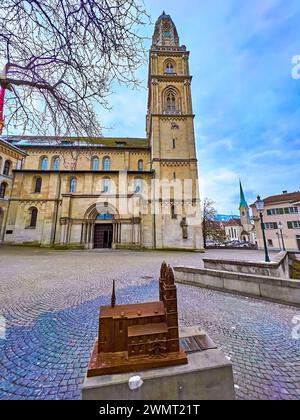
{"x": 170, "y": 128}
{"x": 244, "y": 209}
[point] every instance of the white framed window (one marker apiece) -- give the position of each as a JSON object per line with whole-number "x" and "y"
{"x": 106, "y": 185}
{"x": 73, "y": 185}
{"x": 137, "y": 186}
{"x": 95, "y": 164}
{"x": 44, "y": 163}
{"x": 106, "y": 164}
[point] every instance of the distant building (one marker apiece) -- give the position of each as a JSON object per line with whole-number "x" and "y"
{"x": 241, "y": 228}
{"x": 233, "y": 229}
{"x": 285, "y": 209}
{"x": 248, "y": 231}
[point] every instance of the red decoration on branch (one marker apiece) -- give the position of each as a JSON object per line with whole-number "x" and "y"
{"x": 2, "y": 97}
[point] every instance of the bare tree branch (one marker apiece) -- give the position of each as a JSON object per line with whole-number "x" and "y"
{"x": 61, "y": 58}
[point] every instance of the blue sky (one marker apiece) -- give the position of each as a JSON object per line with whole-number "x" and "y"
{"x": 246, "y": 102}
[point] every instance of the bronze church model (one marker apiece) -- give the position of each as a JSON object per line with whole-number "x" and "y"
{"x": 140, "y": 336}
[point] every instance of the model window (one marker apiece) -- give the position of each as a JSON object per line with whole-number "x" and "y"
{"x": 73, "y": 185}
{"x": 38, "y": 185}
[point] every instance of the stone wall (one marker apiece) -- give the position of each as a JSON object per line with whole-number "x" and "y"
{"x": 279, "y": 267}
{"x": 271, "y": 288}
{"x": 294, "y": 261}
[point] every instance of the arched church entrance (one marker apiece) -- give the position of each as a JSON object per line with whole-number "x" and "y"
{"x": 103, "y": 231}
{"x": 100, "y": 227}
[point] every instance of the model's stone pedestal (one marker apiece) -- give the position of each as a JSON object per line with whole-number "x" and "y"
{"x": 208, "y": 376}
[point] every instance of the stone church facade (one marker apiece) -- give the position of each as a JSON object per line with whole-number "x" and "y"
{"x": 113, "y": 193}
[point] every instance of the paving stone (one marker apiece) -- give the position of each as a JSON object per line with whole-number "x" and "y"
{"x": 51, "y": 302}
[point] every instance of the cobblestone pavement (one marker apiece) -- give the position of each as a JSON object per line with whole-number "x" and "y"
{"x": 51, "y": 301}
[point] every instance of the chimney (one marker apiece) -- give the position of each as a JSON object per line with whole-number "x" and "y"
{"x": 284, "y": 192}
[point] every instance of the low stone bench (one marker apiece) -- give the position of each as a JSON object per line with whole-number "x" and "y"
{"x": 270, "y": 288}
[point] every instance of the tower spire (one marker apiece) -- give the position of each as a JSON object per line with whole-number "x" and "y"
{"x": 165, "y": 32}
{"x": 243, "y": 202}
{"x": 113, "y": 296}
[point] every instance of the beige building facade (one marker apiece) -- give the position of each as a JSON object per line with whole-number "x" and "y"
{"x": 11, "y": 158}
{"x": 284, "y": 209}
{"x": 117, "y": 193}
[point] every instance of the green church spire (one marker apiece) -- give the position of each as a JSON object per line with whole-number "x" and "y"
{"x": 243, "y": 202}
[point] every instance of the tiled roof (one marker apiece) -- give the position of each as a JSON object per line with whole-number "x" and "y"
{"x": 281, "y": 198}
{"x": 233, "y": 222}
{"x": 105, "y": 142}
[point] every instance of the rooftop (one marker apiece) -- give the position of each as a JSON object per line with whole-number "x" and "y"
{"x": 233, "y": 222}
{"x": 12, "y": 146}
{"x": 281, "y": 198}
{"x": 140, "y": 310}
{"x": 95, "y": 142}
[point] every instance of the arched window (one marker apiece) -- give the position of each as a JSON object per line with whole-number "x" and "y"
{"x": 3, "y": 187}
{"x": 56, "y": 163}
{"x": 105, "y": 216}
{"x": 169, "y": 68}
{"x": 73, "y": 185}
{"x": 173, "y": 210}
{"x": 141, "y": 166}
{"x": 38, "y": 185}
{"x": 171, "y": 101}
{"x": 44, "y": 163}
{"x": 106, "y": 164}
{"x": 137, "y": 186}
{"x": 33, "y": 214}
{"x": 6, "y": 168}
{"x": 106, "y": 185}
{"x": 95, "y": 164}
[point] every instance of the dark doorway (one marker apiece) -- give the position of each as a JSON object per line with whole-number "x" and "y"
{"x": 103, "y": 236}
{"x": 298, "y": 242}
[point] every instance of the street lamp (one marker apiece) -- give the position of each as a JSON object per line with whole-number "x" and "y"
{"x": 280, "y": 227}
{"x": 278, "y": 236}
{"x": 260, "y": 205}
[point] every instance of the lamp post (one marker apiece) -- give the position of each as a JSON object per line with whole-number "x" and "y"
{"x": 260, "y": 205}
{"x": 278, "y": 236}
{"x": 280, "y": 227}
